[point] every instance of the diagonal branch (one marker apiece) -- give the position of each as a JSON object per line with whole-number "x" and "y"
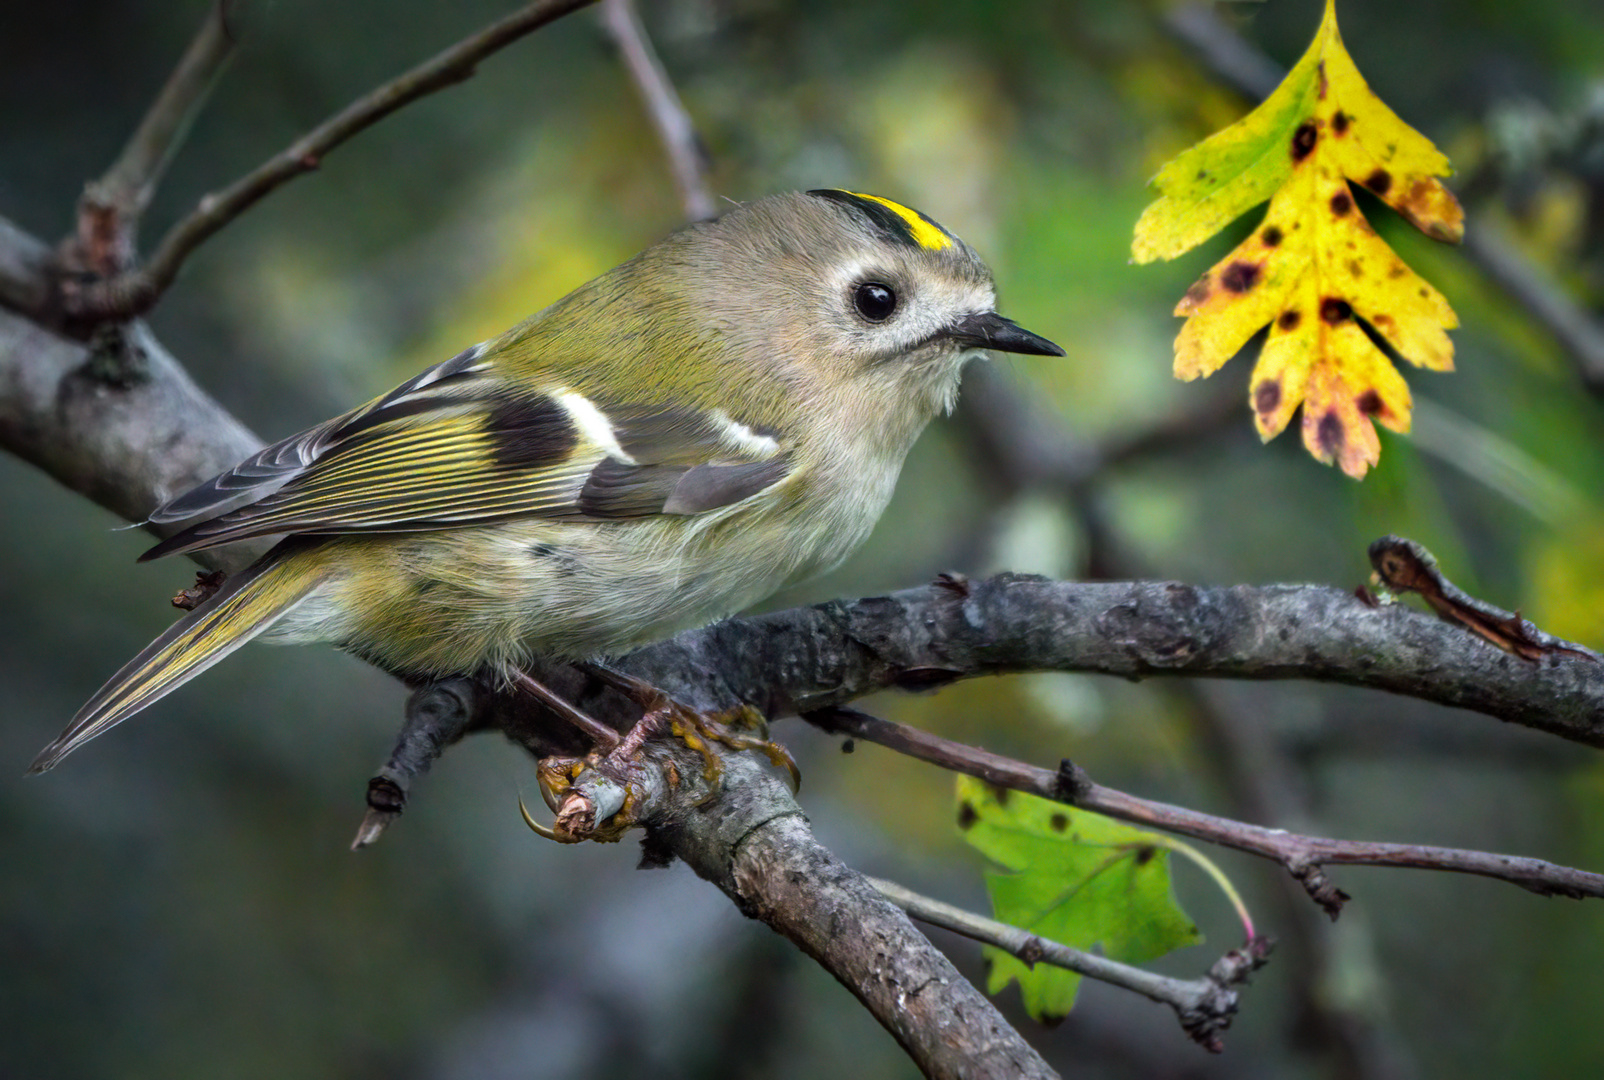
{"x": 128, "y": 446}
{"x": 1303, "y": 856}
{"x": 126, "y": 188}
{"x": 751, "y": 840}
{"x": 687, "y": 158}
{"x": 134, "y": 293}
{"x": 1204, "y": 1006}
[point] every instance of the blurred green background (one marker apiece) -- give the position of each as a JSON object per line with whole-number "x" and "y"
{"x": 178, "y": 901}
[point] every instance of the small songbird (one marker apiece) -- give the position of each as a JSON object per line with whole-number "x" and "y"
{"x": 670, "y": 443}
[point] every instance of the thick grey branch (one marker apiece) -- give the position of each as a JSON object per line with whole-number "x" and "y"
{"x": 129, "y": 431}
{"x": 812, "y": 658}
{"x": 753, "y": 842}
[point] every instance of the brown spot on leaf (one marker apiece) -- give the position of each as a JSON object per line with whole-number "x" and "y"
{"x": 967, "y": 815}
{"x": 1271, "y": 236}
{"x": 1145, "y": 853}
{"x": 1341, "y": 203}
{"x": 1329, "y": 435}
{"x": 1199, "y": 291}
{"x": 1369, "y": 403}
{"x": 1356, "y": 268}
{"x": 1303, "y": 141}
{"x": 1267, "y": 397}
{"x": 1240, "y": 276}
{"x": 1335, "y": 311}
{"x": 1339, "y": 123}
{"x": 1059, "y": 822}
{"x": 1379, "y": 181}
{"x": 1289, "y": 320}
{"x": 1381, "y": 320}
{"x": 1322, "y": 70}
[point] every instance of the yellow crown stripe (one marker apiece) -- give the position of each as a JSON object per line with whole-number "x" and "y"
{"x": 925, "y": 233}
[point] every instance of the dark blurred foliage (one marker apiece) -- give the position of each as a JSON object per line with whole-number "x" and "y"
{"x": 178, "y": 901}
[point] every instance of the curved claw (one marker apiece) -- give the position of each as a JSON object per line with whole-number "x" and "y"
{"x": 542, "y": 830}
{"x": 780, "y": 757}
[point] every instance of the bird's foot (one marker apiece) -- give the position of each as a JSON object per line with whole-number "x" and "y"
{"x": 698, "y": 730}
{"x": 604, "y": 794}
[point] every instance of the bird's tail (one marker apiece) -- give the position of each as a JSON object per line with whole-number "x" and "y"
{"x": 247, "y": 604}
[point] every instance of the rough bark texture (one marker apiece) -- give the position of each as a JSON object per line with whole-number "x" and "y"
{"x": 754, "y": 844}
{"x": 810, "y": 658}
{"x": 123, "y": 425}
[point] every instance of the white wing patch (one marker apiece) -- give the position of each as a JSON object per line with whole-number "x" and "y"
{"x": 593, "y": 424}
{"x": 736, "y": 436}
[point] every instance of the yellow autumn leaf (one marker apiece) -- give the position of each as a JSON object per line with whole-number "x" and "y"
{"x": 1314, "y": 268}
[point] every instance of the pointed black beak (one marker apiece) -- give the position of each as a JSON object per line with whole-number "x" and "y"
{"x": 992, "y": 331}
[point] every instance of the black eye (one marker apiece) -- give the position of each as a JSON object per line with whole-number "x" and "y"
{"x": 874, "y": 301}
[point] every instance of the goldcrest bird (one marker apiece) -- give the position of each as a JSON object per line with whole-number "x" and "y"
{"x": 666, "y": 445}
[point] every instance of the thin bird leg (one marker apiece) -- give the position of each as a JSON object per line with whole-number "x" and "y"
{"x": 698, "y": 730}
{"x": 604, "y": 737}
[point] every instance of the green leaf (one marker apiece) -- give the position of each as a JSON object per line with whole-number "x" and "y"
{"x": 1074, "y": 877}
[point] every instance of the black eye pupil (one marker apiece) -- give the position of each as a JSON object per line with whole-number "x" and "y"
{"x": 874, "y": 301}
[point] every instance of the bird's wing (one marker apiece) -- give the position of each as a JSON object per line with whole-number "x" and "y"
{"x": 458, "y": 445}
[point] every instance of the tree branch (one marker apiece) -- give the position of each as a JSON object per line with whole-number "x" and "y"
{"x": 1575, "y": 330}
{"x": 125, "y": 190}
{"x": 767, "y": 860}
{"x": 810, "y": 658}
{"x": 1303, "y": 856}
{"x": 134, "y": 293}
{"x": 128, "y": 431}
{"x": 1204, "y": 1006}
{"x": 749, "y": 837}
{"x": 687, "y": 159}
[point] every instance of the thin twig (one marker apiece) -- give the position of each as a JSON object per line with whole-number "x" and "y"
{"x": 686, "y": 155}
{"x": 128, "y": 185}
{"x": 1303, "y": 856}
{"x": 1524, "y": 282}
{"x": 135, "y": 292}
{"x": 1204, "y": 1006}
